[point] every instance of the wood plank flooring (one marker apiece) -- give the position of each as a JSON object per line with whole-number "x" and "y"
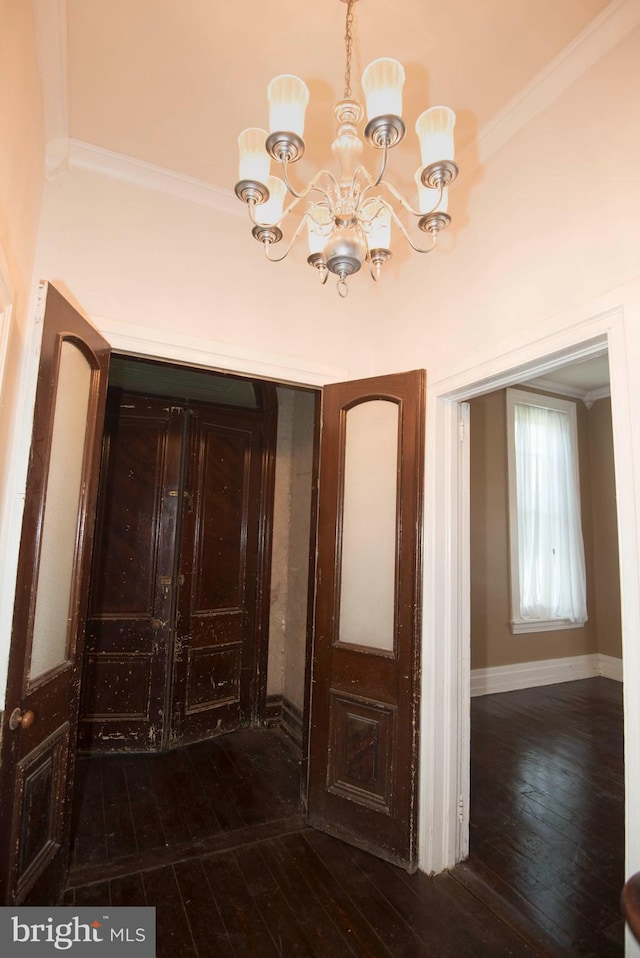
{"x": 547, "y": 808}
{"x": 162, "y": 807}
{"x": 214, "y": 837}
{"x": 309, "y": 895}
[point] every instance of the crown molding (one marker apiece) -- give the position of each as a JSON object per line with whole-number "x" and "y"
{"x": 604, "y": 33}
{"x": 593, "y": 395}
{"x": 117, "y": 166}
{"x": 588, "y": 396}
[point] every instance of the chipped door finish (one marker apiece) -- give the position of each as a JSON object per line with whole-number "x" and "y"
{"x": 39, "y": 728}
{"x": 177, "y": 633}
{"x": 219, "y": 675}
{"x": 364, "y": 699}
{"x": 129, "y": 628}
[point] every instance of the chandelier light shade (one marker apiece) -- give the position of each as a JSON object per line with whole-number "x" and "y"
{"x": 349, "y": 216}
{"x": 435, "y": 133}
{"x": 382, "y": 83}
{"x": 288, "y": 100}
{"x": 430, "y": 199}
{"x": 271, "y": 210}
{"x": 377, "y": 225}
{"x": 255, "y": 162}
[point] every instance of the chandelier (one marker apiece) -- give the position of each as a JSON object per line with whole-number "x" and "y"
{"x": 349, "y": 217}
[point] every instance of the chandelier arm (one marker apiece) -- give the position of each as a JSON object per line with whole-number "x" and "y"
{"x": 382, "y": 204}
{"x": 398, "y": 195}
{"x": 366, "y": 176}
{"x": 372, "y": 184}
{"x": 312, "y": 185}
{"x": 279, "y": 259}
{"x": 383, "y": 165}
{"x": 405, "y": 233}
{"x": 254, "y": 207}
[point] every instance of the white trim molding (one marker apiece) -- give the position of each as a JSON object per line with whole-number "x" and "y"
{"x": 6, "y": 308}
{"x": 128, "y": 169}
{"x": 145, "y": 341}
{"x": 528, "y": 675}
{"x": 611, "y": 667}
{"x": 588, "y": 329}
{"x": 604, "y": 33}
{"x": 600, "y": 36}
{"x": 588, "y": 396}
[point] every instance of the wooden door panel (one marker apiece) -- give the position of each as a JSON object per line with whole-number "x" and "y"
{"x": 361, "y": 739}
{"x": 215, "y": 660}
{"x": 213, "y": 678}
{"x": 39, "y": 812}
{"x": 364, "y": 695}
{"x": 123, "y": 578}
{"x": 40, "y": 722}
{"x": 222, "y": 492}
{"x": 129, "y": 632}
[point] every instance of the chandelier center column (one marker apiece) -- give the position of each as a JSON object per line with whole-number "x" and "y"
{"x": 347, "y": 145}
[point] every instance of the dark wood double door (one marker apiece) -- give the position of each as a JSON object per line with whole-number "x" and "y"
{"x": 176, "y": 628}
{"x": 173, "y": 645}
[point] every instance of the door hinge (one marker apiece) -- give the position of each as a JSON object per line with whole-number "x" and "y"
{"x": 461, "y": 430}
{"x": 461, "y": 808}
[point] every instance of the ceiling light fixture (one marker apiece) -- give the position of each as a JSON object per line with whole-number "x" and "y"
{"x": 347, "y": 222}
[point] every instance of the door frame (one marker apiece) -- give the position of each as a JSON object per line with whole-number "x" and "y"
{"x": 445, "y": 758}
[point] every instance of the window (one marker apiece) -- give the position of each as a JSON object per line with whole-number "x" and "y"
{"x": 548, "y": 582}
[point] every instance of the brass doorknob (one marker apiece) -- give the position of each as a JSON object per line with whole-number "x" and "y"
{"x": 20, "y": 719}
{"x": 156, "y": 624}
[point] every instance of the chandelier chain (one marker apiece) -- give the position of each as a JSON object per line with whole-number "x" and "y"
{"x": 348, "y": 45}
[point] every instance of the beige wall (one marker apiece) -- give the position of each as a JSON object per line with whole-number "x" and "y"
{"x": 535, "y": 235}
{"x": 280, "y": 550}
{"x": 605, "y": 530}
{"x": 492, "y": 642}
{"x": 291, "y": 532}
{"x": 21, "y": 184}
{"x": 136, "y": 256}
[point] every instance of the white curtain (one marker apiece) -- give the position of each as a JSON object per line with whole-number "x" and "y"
{"x": 551, "y": 551}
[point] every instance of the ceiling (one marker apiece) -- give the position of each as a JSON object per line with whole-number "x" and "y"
{"x": 587, "y": 379}
{"x": 173, "y": 82}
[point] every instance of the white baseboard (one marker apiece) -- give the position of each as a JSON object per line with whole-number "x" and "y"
{"x": 526, "y": 675}
{"x": 611, "y": 668}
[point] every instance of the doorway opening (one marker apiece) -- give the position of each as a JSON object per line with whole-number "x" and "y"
{"x": 547, "y": 767}
{"x": 198, "y": 619}
{"x": 204, "y": 515}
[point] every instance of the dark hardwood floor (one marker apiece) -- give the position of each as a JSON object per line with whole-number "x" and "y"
{"x": 214, "y": 837}
{"x": 547, "y": 808}
{"x": 155, "y": 808}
